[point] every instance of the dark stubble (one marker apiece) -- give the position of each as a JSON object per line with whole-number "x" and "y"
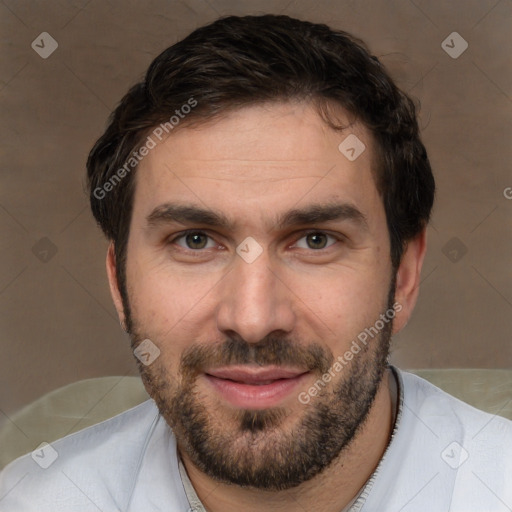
{"x": 250, "y": 447}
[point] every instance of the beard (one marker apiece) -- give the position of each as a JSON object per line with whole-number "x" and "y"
{"x": 266, "y": 449}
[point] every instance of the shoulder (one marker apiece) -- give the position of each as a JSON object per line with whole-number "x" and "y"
{"x": 93, "y": 467}
{"x": 432, "y": 402}
{"x": 473, "y": 448}
{"x": 444, "y": 454}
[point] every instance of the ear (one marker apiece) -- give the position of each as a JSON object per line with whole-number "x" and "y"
{"x": 408, "y": 280}
{"x": 112, "y": 280}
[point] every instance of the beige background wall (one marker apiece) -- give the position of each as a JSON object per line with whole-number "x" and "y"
{"x": 57, "y": 321}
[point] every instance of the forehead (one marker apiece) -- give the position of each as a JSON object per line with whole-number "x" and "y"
{"x": 276, "y": 153}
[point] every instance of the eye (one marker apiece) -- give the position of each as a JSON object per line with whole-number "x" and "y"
{"x": 316, "y": 240}
{"x": 195, "y": 240}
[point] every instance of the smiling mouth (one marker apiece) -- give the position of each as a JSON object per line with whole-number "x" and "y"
{"x": 254, "y": 387}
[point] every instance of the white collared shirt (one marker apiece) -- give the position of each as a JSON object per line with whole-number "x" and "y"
{"x": 443, "y": 455}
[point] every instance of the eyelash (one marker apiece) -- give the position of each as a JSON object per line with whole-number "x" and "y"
{"x": 304, "y": 234}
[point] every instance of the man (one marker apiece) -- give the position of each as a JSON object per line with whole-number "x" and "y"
{"x": 266, "y": 194}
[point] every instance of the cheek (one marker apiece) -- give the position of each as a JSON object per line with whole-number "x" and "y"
{"x": 169, "y": 307}
{"x": 342, "y": 304}
{"x": 160, "y": 295}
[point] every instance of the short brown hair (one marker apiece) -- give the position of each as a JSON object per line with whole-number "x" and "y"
{"x": 240, "y": 61}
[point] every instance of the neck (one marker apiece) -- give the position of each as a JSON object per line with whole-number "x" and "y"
{"x": 330, "y": 491}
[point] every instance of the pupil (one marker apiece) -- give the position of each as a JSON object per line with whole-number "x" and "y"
{"x": 196, "y": 241}
{"x": 317, "y": 240}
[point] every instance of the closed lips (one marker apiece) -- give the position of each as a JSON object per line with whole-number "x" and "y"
{"x": 255, "y": 377}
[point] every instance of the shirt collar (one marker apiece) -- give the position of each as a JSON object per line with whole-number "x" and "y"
{"x": 357, "y": 504}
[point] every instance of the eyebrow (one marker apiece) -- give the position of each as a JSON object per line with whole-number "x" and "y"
{"x": 312, "y": 214}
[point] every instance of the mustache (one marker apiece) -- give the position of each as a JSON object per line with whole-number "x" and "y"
{"x": 272, "y": 350}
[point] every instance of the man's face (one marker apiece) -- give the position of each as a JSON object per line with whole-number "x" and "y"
{"x": 250, "y": 312}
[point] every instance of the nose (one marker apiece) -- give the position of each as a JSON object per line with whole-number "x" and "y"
{"x": 255, "y": 301}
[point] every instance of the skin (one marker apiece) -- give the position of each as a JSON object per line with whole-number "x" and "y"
{"x": 253, "y": 165}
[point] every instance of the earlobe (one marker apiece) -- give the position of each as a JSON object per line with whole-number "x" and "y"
{"x": 114, "y": 287}
{"x": 408, "y": 279}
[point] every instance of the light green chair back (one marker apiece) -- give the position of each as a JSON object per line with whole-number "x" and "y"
{"x": 87, "y": 402}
